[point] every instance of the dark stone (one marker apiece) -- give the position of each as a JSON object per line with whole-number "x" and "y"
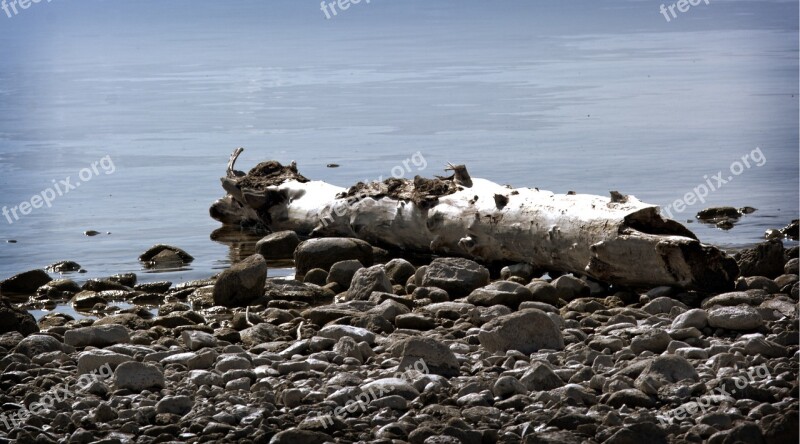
{"x": 241, "y": 284}
{"x": 324, "y": 252}
{"x": 25, "y": 283}
{"x": 12, "y": 319}
{"x": 765, "y": 259}
{"x": 279, "y": 245}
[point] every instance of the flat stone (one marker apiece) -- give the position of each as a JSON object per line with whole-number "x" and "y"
{"x": 97, "y": 336}
{"x": 138, "y": 376}
{"x": 527, "y": 331}
{"x": 740, "y": 317}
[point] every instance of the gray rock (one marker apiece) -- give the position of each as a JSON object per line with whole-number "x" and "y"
{"x": 749, "y": 297}
{"x": 632, "y": 398}
{"x": 204, "y": 377}
{"x": 299, "y": 436}
{"x": 336, "y": 332}
{"x": 415, "y": 321}
{"x": 175, "y": 405}
{"x": 765, "y": 259}
{"x": 507, "y": 386}
{"x": 428, "y": 355}
{"x": 792, "y": 266}
{"x": 63, "y": 267}
{"x": 195, "y": 340}
{"x": 342, "y": 272}
{"x": 12, "y": 319}
{"x": 93, "y": 360}
{"x": 138, "y": 376}
{"x": 241, "y": 284}
{"x": 663, "y": 304}
{"x": 278, "y": 245}
{"x": 391, "y": 386}
{"x": 399, "y": 270}
{"x": 457, "y": 276}
{"x": 238, "y": 384}
{"x": 540, "y": 376}
{"x": 37, "y": 344}
{"x": 740, "y": 317}
{"x": 316, "y": 276}
{"x": 97, "y": 336}
{"x": 655, "y": 340}
{"x": 293, "y": 290}
{"x": 542, "y": 291}
{"x": 158, "y": 254}
{"x": 569, "y": 287}
{"x": 259, "y": 334}
{"x": 324, "y": 252}
{"x": 25, "y": 283}
{"x": 233, "y": 362}
{"x": 506, "y": 293}
{"x": 696, "y": 317}
{"x": 665, "y": 369}
{"x": 347, "y": 347}
{"x": 761, "y": 283}
{"x": 389, "y": 310}
{"x": 527, "y": 331}
{"x": 367, "y": 280}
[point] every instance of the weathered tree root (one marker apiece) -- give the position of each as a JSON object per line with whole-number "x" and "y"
{"x": 618, "y": 240}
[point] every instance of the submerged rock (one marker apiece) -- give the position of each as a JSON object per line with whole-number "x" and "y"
{"x": 165, "y": 255}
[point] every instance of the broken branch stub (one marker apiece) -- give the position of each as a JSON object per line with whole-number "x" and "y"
{"x": 618, "y": 240}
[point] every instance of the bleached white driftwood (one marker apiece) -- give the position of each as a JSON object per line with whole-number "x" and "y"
{"x": 619, "y": 240}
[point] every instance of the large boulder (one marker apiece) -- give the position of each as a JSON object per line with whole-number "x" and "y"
{"x": 527, "y": 331}
{"x": 367, "y": 280}
{"x": 457, "y": 276}
{"x": 279, "y": 245}
{"x": 12, "y": 319}
{"x": 242, "y": 283}
{"x": 765, "y": 259}
{"x": 324, "y": 252}
{"x": 25, "y": 283}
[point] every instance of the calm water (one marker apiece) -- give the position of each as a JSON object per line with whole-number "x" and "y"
{"x": 589, "y": 96}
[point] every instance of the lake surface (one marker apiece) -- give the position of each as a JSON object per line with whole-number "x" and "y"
{"x": 588, "y": 97}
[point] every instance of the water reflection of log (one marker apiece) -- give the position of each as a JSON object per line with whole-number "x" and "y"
{"x": 241, "y": 243}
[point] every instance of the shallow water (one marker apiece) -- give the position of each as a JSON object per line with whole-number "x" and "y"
{"x": 590, "y": 98}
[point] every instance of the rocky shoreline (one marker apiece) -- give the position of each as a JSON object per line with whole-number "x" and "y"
{"x": 366, "y": 347}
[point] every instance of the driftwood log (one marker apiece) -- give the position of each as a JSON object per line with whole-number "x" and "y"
{"x": 616, "y": 239}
